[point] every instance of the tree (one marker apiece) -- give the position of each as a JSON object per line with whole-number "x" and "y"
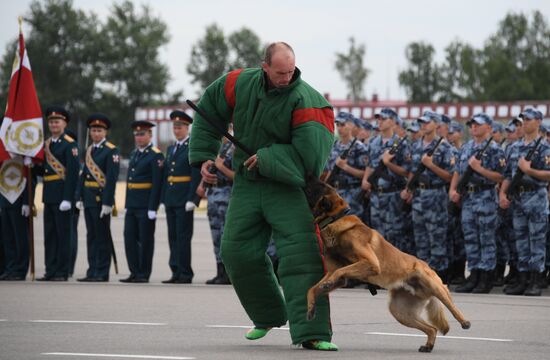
{"x": 208, "y": 57}
{"x": 421, "y": 79}
{"x": 351, "y": 69}
{"x": 461, "y": 74}
{"x": 131, "y": 71}
{"x": 245, "y": 48}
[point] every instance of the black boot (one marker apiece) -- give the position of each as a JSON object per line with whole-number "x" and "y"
{"x": 457, "y": 272}
{"x": 519, "y": 287}
{"x": 470, "y": 283}
{"x": 543, "y": 278}
{"x": 512, "y": 276}
{"x": 215, "y": 278}
{"x": 534, "y": 288}
{"x": 498, "y": 279}
{"x": 223, "y": 279}
{"x": 485, "y": 283}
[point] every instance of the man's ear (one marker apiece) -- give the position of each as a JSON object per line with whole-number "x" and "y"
{"x": 325, "y": 204}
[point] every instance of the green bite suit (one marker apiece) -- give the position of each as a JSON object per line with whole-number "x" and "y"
{"x": 291, "y": 131}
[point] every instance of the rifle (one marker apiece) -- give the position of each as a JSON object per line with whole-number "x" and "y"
{"x": 331, "y": 179}
{"x": 378, "y": 172}
{"x": 518, "y": 176}
{"x": 212, "y": 170}
{"x": 413, "y": 182}
{"x": 465, "y": 178}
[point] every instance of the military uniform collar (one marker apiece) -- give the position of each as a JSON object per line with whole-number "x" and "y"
{"x": 145, "y": 148}
{"x": 180, "y": 143}
{"x": 100, "y": 143}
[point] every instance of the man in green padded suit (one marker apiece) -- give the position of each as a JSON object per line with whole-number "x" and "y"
{"x": 290, "y": 127}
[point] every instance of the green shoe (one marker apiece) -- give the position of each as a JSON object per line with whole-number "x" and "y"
{"x": 319, "y": 345}
{"x": 256, "y": 333}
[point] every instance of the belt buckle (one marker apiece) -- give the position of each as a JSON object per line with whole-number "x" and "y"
{"x": 471, "y": 188}
{"x": 422, "y": 186}
{"x": 522, "y": 189}
{"x": 380, "y": 190}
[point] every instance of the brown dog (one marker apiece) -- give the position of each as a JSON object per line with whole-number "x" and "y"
{"x": 355, "y": 251}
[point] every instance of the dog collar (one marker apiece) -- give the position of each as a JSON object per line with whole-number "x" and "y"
{"x": 329, "y": 220}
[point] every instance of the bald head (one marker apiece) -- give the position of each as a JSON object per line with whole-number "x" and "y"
{"x": 279, "y": 64}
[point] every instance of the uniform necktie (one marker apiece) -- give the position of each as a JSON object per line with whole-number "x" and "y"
{"x": 176, "y": 148}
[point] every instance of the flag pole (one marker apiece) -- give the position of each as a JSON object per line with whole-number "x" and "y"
{"x": 29, "y": 169}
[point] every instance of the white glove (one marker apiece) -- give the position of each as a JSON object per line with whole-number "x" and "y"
{"x": 79, "y": 205}
{"x": 105, "y": 210}
{"x": 27, "y": 161}
{"x": 65, "y": 205}
{"x": 152, "y": 215}
{"x": 25, "y": 210}
{"x": 190, "y": 206}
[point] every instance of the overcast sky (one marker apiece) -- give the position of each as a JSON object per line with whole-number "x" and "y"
{"x": 316, "y": 30}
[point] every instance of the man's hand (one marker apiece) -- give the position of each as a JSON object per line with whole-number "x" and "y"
{"x": 65, "y": 205}
{"x": 151, "y": 214}
{"x": 206, "y": 175}
{"x": 365, "y": 185}
{"x": 503, "y": 201}
{"x": 341, "y": 163}
{"x": 25, "y": 210}
{"x": 427, "y": 160}
{"x": 27, "y": 161}
{"x": 251, "y": 162}
{"x": 406, "y": 195}
{"x": 190, "y": 206}
{"x": 475, "y": 164}
{"x": 524, "y": 165}
{"x": 454, "y": 196}
{"x": 219, "y": 162}
{"x": 105, "y": 210}
{"x": 79, "y": 205}
{"x": 387, "y": 157}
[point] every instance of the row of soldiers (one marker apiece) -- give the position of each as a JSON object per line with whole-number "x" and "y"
{"x": 448, "y": 203}
{"x": 153, "y": 178}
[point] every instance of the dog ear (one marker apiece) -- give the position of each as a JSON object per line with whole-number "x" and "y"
{"x": 325, "y": 204}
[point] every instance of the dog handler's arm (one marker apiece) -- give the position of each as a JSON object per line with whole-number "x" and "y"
{"x": 312, "y": 139}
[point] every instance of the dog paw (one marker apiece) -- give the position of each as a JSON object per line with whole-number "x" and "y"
{"x": 326, "y": 285}
{"x": 425, "y": 349}
{"x": 466, "y": 325}
{"x": 311, "y": 313}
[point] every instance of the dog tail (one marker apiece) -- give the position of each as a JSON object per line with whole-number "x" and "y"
{"x": 436, "y": 315}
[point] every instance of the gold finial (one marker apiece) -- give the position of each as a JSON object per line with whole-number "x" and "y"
{"x": 20, "y": 19}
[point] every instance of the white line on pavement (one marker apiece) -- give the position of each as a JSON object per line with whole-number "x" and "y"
{"x": 440, "y": 337}
{"x": 241, "y": 327}
{"x": 120, "y": 356}
{"x": 97, "y": 322}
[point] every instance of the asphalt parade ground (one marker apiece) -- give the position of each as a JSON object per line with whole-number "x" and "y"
{"x": 72, "y": 320}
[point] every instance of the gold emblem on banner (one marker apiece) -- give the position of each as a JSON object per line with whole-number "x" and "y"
{"x": 27, "y": 136}
{"x": 11, "y": 176}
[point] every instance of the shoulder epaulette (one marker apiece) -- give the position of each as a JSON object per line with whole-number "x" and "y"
{"x": 68, "y": 138}
{"x": 155, "y": 149}
{"x": 110, "y": 145}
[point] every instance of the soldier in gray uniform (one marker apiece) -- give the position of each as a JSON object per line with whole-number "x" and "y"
{"x": 479, "y": 203}
{"x": 386, "y": 205}
{"x": 218, "y": 201}
{"x": 429, "y": 202}
{"x": 345, "y": 174}
{"x": 530, "y": 205}
{"x": 455, "y": 236}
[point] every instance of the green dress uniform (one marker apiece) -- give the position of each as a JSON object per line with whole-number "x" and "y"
{"x": 179, "y": 187}
{"x": 143, "y": 192}
{"x": 291, "y": 131}
{"x": 96, "y": 190}
{"x": 60, "y": 181}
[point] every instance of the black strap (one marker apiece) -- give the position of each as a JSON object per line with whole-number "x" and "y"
{"x": 330, "y": 219}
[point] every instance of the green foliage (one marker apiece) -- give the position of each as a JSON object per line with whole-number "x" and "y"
{"x": 421, "y": 79}
{"x": 512, "y": 65}
{"x": 351, "y": 69}
{"x": 215, "y": 54}
{"x": 90, "y": 66}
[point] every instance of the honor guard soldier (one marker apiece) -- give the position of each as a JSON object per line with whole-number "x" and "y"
{"x": 96, "y": 195}
{"x": 143, "y": 194}
{"x": 14, "y": 234}
{"x": 347, "y": 163}
{"x": 60, "y": 180}
{"x": 479, "y": 203}
{"x": 179, "y": 187}
{"x": 529, "y": 204}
